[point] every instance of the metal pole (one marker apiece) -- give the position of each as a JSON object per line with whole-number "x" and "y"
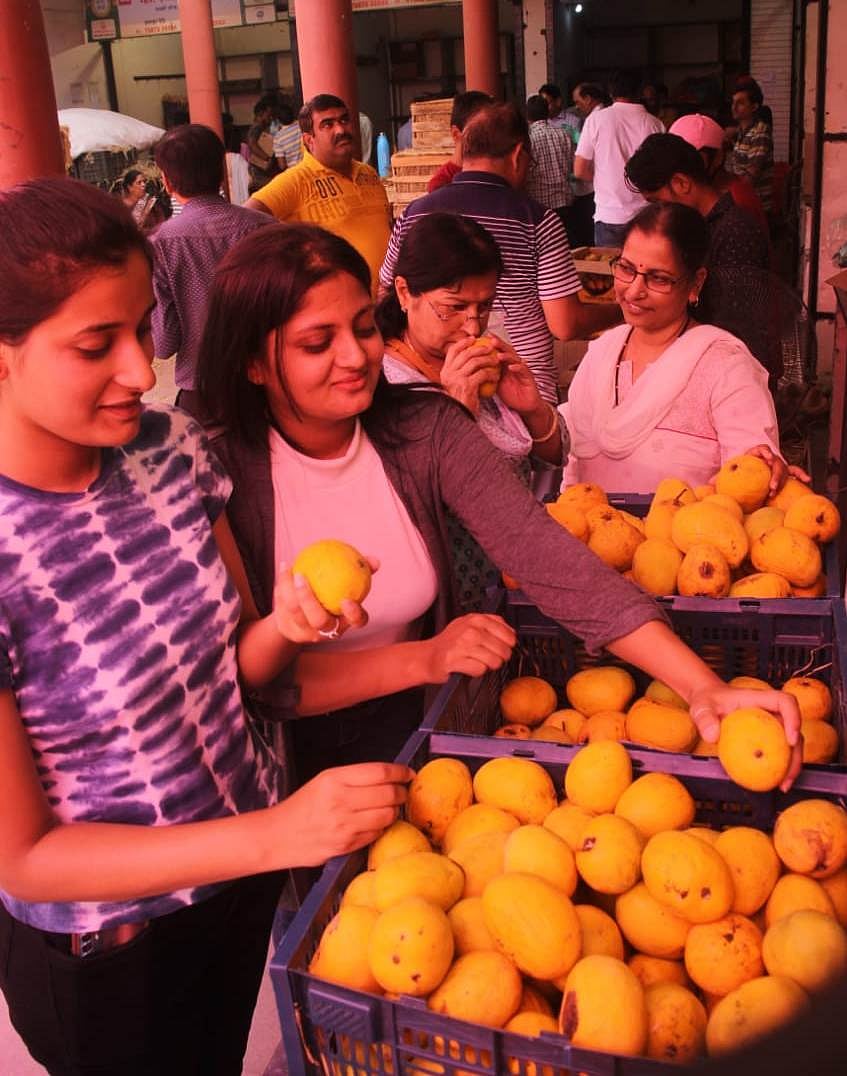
{"x": 109, "y": 69}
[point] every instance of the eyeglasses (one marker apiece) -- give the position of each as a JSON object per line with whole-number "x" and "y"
{"x": 653, "y": 278}
{"x": 445, "y": 312}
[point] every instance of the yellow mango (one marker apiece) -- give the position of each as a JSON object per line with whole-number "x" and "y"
{"x": 655, "y": 802}
{"x": 597, "y": 986}
{"x": 537, "y": 850}
{"x": 517, "y": 785}
{"x": 411, "y": 947}
{"x": 418, "y": 874}
{"x": 676, "y": 1024}
{"x": 751, "y": 1012}
{"x": 699, "y": 523}
{"x": 722, "y": 955}
{"x": 483, "y": 987}
{"x": 810, "y": 837}
{"x": 807, "y": 946}
{"x": 533, "y": 923}
{"x": 439, "y": 791}
{"x": 342, "y": 953}
{"x": 688, "y": 876}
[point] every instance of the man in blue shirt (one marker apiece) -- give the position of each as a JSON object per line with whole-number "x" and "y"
{"x": 187, "y": 248}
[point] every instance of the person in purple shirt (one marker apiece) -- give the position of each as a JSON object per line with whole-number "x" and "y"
{"x": 144, "y": 822}
{"x": 188, "y": 247}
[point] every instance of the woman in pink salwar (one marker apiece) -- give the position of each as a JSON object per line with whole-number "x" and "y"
{"x": 663, "y": 395}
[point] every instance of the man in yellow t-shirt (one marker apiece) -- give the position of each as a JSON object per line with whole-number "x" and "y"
{"x": 328, "y": 187}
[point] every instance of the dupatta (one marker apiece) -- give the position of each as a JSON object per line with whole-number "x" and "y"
{"x": 598, "y": 425}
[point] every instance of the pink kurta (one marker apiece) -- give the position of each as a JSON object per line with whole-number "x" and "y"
{"x": 722, "y": 409}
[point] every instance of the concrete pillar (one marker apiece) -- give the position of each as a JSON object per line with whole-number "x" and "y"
{"x": 30, "y": 142}
{"x": 326, "y": 54}
{"x": 201, "y": 65}
{"x": 482, "y": 46}
{"x": 535, "y": 31}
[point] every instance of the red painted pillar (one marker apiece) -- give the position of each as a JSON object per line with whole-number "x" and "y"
{"x": 326, "y": 54}
{"x": 30, "y": 142}
{"x": 482, "y": 46}
{"x": 201, "y": 65}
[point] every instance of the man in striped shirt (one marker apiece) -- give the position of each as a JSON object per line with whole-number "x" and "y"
{"x": 537, "y": 293}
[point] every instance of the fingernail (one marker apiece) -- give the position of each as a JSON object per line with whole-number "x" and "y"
{"x": 299, "y": 580}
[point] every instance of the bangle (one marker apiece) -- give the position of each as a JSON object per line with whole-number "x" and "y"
{"x": 554, "y": 426}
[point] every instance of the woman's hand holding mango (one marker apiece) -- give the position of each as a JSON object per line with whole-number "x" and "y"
{"x": 517, "y": 388}
{"x": 341, "y": 810}
{"x": 300, "y": 617}
{"x": 780, "y": 470}
{"x": 468, "y": 364}
{"x": 712, "y": 702}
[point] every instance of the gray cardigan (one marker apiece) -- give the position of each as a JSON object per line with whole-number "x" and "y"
{"x": 441, "y": 460}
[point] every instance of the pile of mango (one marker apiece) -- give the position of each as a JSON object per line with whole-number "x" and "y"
{"x": 610, "y": 917}
{"x": 732, "y": 539}
{"x": 602, "y": 708}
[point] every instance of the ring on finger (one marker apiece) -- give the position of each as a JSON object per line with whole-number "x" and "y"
{"x": 333, "y": 633}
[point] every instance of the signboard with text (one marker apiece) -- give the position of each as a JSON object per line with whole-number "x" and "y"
{"x": 378, "y": 5}
{"x": 109, "y": 19}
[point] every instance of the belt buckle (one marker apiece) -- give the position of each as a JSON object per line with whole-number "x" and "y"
{"x": 91, "y": 943}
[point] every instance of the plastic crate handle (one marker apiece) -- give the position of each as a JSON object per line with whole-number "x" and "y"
{"x": 341, "y": 1013}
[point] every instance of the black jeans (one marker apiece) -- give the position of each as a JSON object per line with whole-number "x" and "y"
{"x": 372, "y": 731}
{"x": 175, "y": 1001}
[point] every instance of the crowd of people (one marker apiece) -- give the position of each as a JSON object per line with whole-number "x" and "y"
{"x": 391, "y": 387}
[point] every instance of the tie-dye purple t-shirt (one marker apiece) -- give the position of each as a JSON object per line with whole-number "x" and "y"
{"x": 117, "y": 638}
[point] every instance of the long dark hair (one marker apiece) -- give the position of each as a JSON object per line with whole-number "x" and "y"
{"x": 439, "y": 251}
{"x": 57, "y": 233}
{"x": 257, "y": 288}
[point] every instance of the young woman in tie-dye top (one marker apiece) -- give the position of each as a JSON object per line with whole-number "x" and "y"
{"x": 142, "y": 829}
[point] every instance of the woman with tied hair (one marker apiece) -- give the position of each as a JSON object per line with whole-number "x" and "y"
{"x": 435, "y": 324}
{"x": 142, "y": 829}
{"x": 320, "y": 445}
{"x": 663, "y": 394}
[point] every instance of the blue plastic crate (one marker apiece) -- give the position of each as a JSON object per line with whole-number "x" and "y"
{"x": 332, "y": 1029}
{"x": 772, "y": 640}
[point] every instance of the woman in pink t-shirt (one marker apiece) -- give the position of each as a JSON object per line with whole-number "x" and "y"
{"x": 291, "y": 370}
{"x": 663, "y": 395}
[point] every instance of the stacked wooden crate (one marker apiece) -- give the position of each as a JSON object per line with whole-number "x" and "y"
{"x": 432, "y": 146}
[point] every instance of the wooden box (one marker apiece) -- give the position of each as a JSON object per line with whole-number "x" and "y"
{"x": 431, "y": 124}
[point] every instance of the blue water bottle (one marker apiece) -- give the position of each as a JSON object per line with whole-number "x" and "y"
{"x": 383, "y": 155}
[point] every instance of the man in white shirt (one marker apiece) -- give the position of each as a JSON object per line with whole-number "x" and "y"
{"x": 609, "y": 138}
